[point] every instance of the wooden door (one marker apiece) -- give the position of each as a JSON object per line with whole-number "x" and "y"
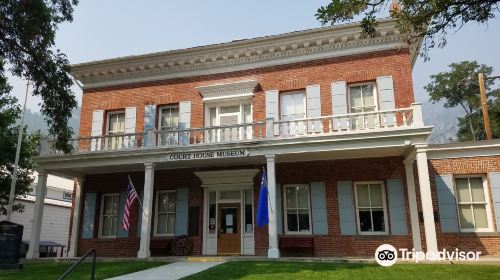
{"x": 229, "y": 235}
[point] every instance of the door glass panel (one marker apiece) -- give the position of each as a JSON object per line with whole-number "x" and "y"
{"x": 211, "y": 212}
{"x": 229, "y": 221}
{"x": 247, "y": 114}
{"x": 248, "y": 212}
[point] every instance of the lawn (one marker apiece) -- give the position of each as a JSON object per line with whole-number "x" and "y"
{"x": 324, "y": 270}
{"x": 53, "y": 270}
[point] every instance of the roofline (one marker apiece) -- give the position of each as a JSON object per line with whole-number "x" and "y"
{"x": 464, "y": 149}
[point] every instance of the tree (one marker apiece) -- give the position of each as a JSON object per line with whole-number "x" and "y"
{"x": 427, "y": 19}
{"x": 27, "y": 34}
{"x": 10, "y": 112}
{"x": 459, "y": 87}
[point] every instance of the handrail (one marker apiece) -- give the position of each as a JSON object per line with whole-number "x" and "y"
{"x": 90, "y": 251}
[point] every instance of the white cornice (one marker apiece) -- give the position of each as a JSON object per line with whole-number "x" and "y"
{"x": 230, "y": 90}
{"x": 313, "y": 44}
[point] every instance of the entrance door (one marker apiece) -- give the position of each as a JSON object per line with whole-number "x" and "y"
{"x": 229, "y": 235}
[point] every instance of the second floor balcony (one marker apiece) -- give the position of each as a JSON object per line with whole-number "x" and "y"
{"x": 249, "y": 133}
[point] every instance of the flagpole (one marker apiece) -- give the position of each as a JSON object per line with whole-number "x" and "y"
{"x": 138, "y": 198}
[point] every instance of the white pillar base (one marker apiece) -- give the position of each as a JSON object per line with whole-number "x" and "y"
{"x": 273, "y": 253}
{"x": 143, "y": 254}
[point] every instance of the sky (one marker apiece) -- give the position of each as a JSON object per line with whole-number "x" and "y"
{"x": 112, "y": 28}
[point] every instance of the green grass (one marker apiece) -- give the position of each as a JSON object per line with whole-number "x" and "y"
{"x": 275, "y": 270}
{"x": 52, "y": 270}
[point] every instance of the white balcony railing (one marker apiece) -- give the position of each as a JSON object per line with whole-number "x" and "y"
{"x": 256, "y": 131}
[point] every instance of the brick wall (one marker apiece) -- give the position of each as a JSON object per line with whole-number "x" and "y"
{"x": 488, "y": 243}
{"x": 352, "y": 69}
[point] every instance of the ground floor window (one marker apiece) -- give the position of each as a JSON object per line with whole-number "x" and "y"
{"x": 297, "y": 209}
{"x": 472, "y": 204}
{"x": 109, "y": 215}
{"x": 371, "y": 207}
{"x": 165, "y": 213}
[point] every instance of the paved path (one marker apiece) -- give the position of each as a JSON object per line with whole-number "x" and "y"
{"x": 169, "y": 272}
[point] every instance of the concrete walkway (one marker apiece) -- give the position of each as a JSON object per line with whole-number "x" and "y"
{"x": 171, "y": 271}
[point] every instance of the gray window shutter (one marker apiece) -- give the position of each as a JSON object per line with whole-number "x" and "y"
{"x": 447, "y": 204}
{"x": 397, "y": 210}
{"x": 313, "y": 96}
{"x": 130, "y": 119}
{"x": 339, "y": 103}
{"x": 279, "y": 222}
{"x": 272, "y": 109}
{"x": 386, "y": 96}
{"x": 346, "y": 208}
{"x": 120, "y": 233}
{"x": 88, "y": 216}
{"x": 495, "y": 192}
{"x": 149, "y": 120}
{"x": 181, "y": 211}
{"x": 139, "y": 210}
{"x": 184, "y": 121}
{"x": 318, "y": 208}
{"x": 97, "y": 125}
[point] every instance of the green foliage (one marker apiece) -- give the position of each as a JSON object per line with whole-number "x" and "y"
{"x": 428, "y": 19}
{"x": 459, "y": 87}
{"x": 10, "y": 111}
{"x": 27, "y": 34}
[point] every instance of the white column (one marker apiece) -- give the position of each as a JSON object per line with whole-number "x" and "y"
{"x": 75, "y": 224}
{"x": 147, "y": 203}
{"x": 36, "y": 228}
{"x": 412, "y": 201}
{"x": 273, "y": 251}
{"x": 426, "y": 199}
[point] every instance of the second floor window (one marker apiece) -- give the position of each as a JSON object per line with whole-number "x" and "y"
{"x": 169, "y": 118}
{"x": 116, "y": 126}
{"x": 229, "y": 114}
{"x": 362, "y": 99}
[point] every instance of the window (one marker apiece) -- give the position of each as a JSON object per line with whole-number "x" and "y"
{"x": 116, "y": 126}
{"x": 248, "y": 211}
{"x": 169, "y": 120}
{"x": 371, "y": 208}
{"x": 228, "y": 114}
{"x": 165, "y": 213}
{"x": 362, "y": 98}
{"x": 297, "y": 209}
{"x": 473, "y": 209}
{"x": 109, "y": 215}
{"x": 67, "y": 195}
{"x": 293, "y": 108}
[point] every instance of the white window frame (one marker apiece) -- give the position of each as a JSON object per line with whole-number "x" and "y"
{"x": 384, "y": 206}
{"x": 375, "y": 95}
{"x": 218, "y": 106}
{"x": 108, "y": 119}
{"x": 155, "y": 232}
{"x": 101, "y": 215}
{"x": 287, "y": 232}
{"x": 160, "y": 114}
{"x": 487, "y": 204}
{"x": 304, "y": 100}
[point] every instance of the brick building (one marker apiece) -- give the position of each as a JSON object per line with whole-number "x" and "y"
{"x": 329, "y": 114}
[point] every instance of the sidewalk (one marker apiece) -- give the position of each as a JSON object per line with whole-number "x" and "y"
{"x": 170, "y": 271}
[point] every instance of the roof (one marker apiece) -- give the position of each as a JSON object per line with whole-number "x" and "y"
{"x": 292, "y": 47}
{"x": 464, "y": 149}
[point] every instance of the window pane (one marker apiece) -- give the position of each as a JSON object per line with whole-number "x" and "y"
{"x": 303, "y": 197}
{"x": 378, "y": 220}
{"x": 114, "y": 210}
{"x": 363, "y": 197}
{"x": 298, "y": 100}
{"x": 465, "y": 213}
{"x": 365, "y": 223}
{"x": 376, "y": 195}
{"x": 229, "y": 195}
{"x": 162, "y": 202}
{"x": 113, "y": 225}
{"x": 247, "y": 114}
{"x": 303, "y": 220}
{"x": 106, "y": 226}
{"x": 213, "y": 116}
{"x": 291, "y": 197}
{"x": 162, "y": 224}
{"x": 368, "y": 98}
{"x": 170, "y": 223}
{"x": 230, "y": 109}
{"x": 248, "y": 197}
{"x": 108, "y": 206}
{"x": 171, "y": 201}
{"x": 476, "y": 186}
{"x": 228, "y": 120}
{"x": 480, "y": 216}
{"x": 463, "y": 194}
{"x": 291, "y": 220}
{"x": 248, "y": 219}
{"x": 355, "y": 97}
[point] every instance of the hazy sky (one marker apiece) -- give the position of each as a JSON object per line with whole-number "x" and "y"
{"x": 106, "y": 29}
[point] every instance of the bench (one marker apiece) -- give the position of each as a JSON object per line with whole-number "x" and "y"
{"x": 297, "y": 242}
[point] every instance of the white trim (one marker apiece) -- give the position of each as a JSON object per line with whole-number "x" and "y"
{"x": 384, "y": 205}
{"x": 486, "y": 198}
{"x": 287, "y": 232}
{"x": 157, "y": 204}
{"x": 100, "y": 236}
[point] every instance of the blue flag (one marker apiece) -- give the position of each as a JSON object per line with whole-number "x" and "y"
{"x": 262, "y": 212}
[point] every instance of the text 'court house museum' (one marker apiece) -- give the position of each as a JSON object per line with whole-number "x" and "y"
{"x": 329, "y": 114}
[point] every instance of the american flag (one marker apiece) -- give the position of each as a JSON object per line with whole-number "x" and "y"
{"x": 131, "y": 197}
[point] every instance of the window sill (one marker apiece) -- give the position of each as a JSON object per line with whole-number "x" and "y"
{"x": 476, "y": 234}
